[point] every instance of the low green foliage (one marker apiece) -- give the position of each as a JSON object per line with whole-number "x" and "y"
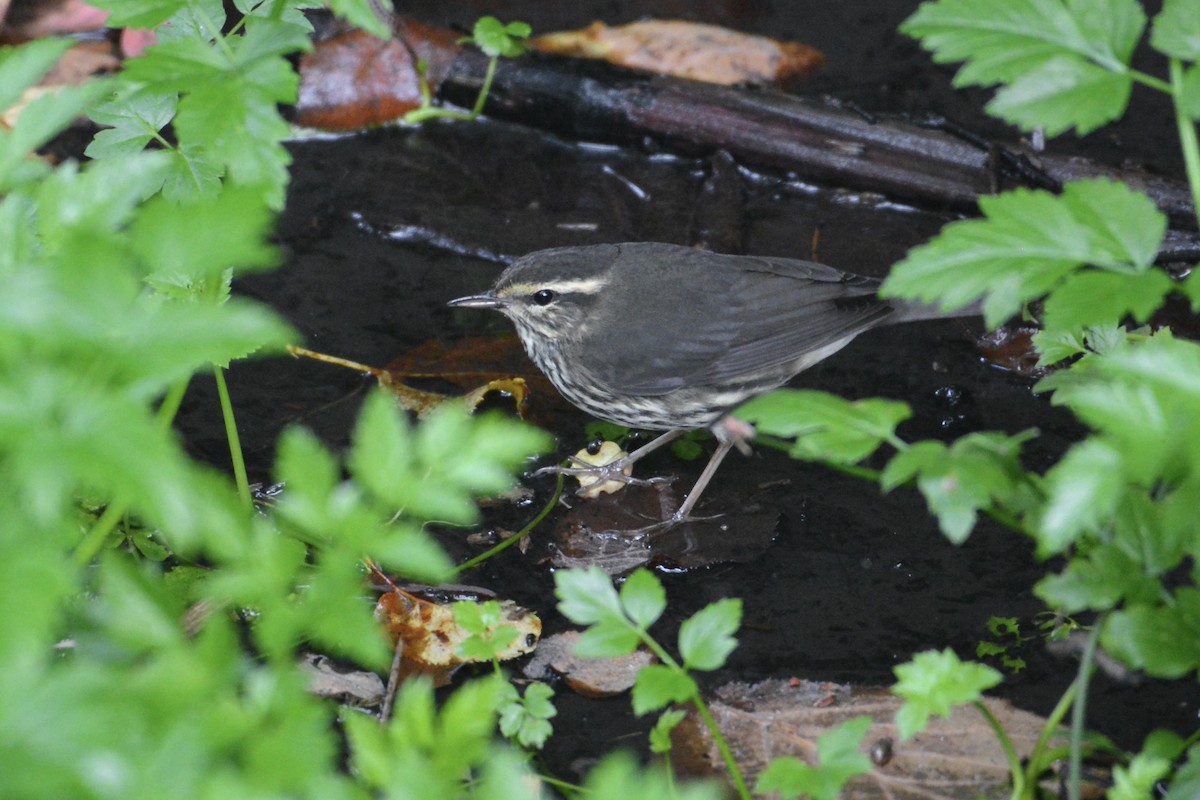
{"x": 620, "y": 621}
{"x": 1120, "y": 504}
{"x": 838, "y": 760}
{"x": 934, "y": 683}
{"x": 496, "y": 39}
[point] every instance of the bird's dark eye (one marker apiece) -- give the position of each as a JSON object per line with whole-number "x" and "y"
{"x": 544, "y": 297}
{"x": 530, "y": 640}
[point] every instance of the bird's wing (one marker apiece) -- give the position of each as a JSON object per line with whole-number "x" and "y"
{"x": 763, "y": 316}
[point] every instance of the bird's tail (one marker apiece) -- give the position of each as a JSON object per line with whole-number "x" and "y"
{"x": 912, "y": 311}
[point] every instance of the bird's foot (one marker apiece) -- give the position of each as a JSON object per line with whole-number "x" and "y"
{"x": 595, "y": 479}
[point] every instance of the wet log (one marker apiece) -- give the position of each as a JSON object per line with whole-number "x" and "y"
{"x": 813, "y": 139}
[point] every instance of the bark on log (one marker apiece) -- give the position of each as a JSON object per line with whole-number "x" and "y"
{"x": 812, "y": 139}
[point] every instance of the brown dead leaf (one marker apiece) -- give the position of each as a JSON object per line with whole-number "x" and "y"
{"x": 420, "y": 401}
{"x": 474, "y": 360}
{"x": 431, "y": 638}
{"x": 687, "y": 50}
{"x": 353, "y": 80}
{"x": 1011, "y": 347}
{"x": 354, "y": 687}
{"x": 958, "y": 758}
{"x": 591, "y": 677}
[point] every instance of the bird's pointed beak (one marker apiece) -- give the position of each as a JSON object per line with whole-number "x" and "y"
{"x": 487, "y": 300}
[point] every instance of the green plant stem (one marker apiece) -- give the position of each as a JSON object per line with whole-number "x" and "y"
{"x": 1151, "y": 81}
{"x": 566, "y": 787}
{"x": 477, "y": 109}
{"x": 519, "y": 535}
{"x": 1079, "y": 711}
{"x": 1187, "y": 135}
{"x": 231, "y": 434}
{"x": 169, "y": 407}
{"x": 735, "y": 772}
{"x": 1014, "y": 761}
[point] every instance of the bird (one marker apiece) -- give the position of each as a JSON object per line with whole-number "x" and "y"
{"x": 661, "y": 336}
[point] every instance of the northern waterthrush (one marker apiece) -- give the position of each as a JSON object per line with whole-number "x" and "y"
{"x": 666, "y": 337}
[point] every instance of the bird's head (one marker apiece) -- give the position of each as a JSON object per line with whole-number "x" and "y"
{"x": 550, "y": 294}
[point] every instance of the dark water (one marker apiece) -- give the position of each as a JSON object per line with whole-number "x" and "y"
{"x": 383, "y": 228}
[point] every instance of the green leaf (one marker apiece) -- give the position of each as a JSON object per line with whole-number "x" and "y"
{"x": 838, "y": 760}
{"x": 495, "y": 38}
{"x": 1186, "y": 782}
{"x": 1065, "y": 64}
{"x": 1163, "y": 640}
{"x": 177, "y": 243}
{"x": 587, "y": 596}
{"x": 660, "y": 734}
{"x": 364, "y": 14}
{"x": 22, "y": 67}
{"x": 1137, "y": 781}
{"x": 381, "y": 455}
{"x": 706, "y": 637}
{"x": 976, "y": 472}
{"x": 1176, "y": 30}
{"x": 1098, "y": 581}
{"x": 39, "y": 122}
{"x": 528, "y": 720}
{"x": 618, "y": 775}
{"x": 609, "y": 638}
{"x": 1062, "y": 94}
{"x": 643, "y": 598}
{"x": 139, "y": 13}
{"x": 825, "y": 426}
{"x": 134, "y": 120}
{"x": 1027, "y": 243}
{"x": 1082, "y": 492}
{"x": 934, "y": 683}
{"x": 1092, "y": 298}
{"x": 658, "y": 685}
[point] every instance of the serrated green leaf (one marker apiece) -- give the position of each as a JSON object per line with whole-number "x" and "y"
{"x": 660, "y": 734}
{"x": 608, "y": 638}
{"x": 958, "y": 481}
{"x": 1097, "y": 581}
{"x": 381, "y": 454}
{"x": 364, "y": 14}
{"x": 706, "y": 637}
{"x": 1176, "y": 30}
{"x": 1026, "y": 244}
{"x": 838, "y": 760}
{"x": 134, "y": 119}
{"x": 658, "y": 685}
{"x": 178, "y": 240}
{"x": 1162, "y": 640}
{"x": 825, "y": 426}
{"x": 1137, "y": 780}
{"x": 1061, "y": 94}
{"x": 1082, "y": 492}
{"x": 587, "y": 596}
{"x": 911, "y": 462}
{"x": 643, "y": 598}
{"x": 1000, "y": 42}
{"x": 934, "y": 683}
{"x": 1092, "y": 298}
